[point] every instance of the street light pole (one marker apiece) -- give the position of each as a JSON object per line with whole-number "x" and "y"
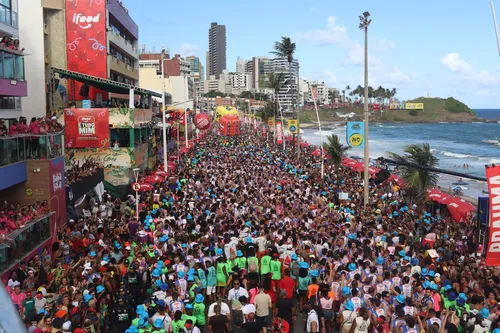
{"x": 164, "y": 129}
{"x": 363, "y": 25}
{"x": 185, "y": 109}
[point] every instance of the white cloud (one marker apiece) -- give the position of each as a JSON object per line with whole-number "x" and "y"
{"x": 187, "y": 49}
{"x": 336, "y": 34}
{"x": 382, "y": 44}
{"x": 454, "y": 63}
{"x": 465, "y": 73}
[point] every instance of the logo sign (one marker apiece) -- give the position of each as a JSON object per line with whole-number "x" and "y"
{"x": 86, "y": 128}
{"x": 414, "y": 106}
{"x": 28, "y": 191}
{"x": 270, "y": 122}
{"x": 85, "y": 22}
{"x": 86, "y": 44}
{"x": 293, "y": 126}
{"x": 136, "y": 186}
{"x": 355, "y": 134}
{"x": 493, "y": 250}
{"x": 57, "y": 181}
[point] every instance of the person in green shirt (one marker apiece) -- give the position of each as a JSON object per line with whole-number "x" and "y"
{"x": 191, "y": 286}
{"x": 276, "y": 267}
{"x": 241, "y": 261}
{"x": 158, "y": 326}
{"x": 189, "y": 313}
{"x": 178, "y": 322}
{"x": 222, "y": 275}
{"x": 29, "y": 306}
{"x": 199, "y": 311}
{"x": 265, "y": 264}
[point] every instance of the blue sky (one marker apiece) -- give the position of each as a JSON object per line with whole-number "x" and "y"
{"x": 442, "y": 48}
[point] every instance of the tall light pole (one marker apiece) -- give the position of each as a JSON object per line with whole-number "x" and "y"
{"x": 364, "y": 22}
{"x": 185, "y": 109}
{"x": 164, "y": 129}
{"x": 496, "y": 26}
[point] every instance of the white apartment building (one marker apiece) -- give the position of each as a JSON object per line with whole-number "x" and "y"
{"x": 213, "y": 84}
{"x": 321, "y": 88}
{"x": 240, "y": 82}
{"x": 241, "y": 65}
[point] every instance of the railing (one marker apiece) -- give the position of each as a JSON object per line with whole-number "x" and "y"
{"x": 22, "y": 241}
{"x": 7, "y": 16}
{"x": 11, "y": 65}
{"x": 22, "y": 147}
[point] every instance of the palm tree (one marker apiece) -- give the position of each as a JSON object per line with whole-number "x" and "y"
{"x": 334, "y": 148}
{"x": 275, "y": 82}
{"x": 286, "y": 49}
{"x": 388, "y": 95}
{"x": 347, "y": 89}
{"x": 370, "y": 94}
{"x": 418, "y": 180}
{"x": 343, "y": 95}
{"x": 393, "y": 92}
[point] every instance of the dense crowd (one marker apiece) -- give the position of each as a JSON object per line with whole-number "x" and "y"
{"x": 13, "y": 217}
{"x": 247, "y": 238}
{"x": 36, "y": 126}
{"x": 11, "y": 44}
{"x": 76, "y": 172}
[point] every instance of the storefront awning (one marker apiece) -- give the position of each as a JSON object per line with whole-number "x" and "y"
{"x": 103, "y": 84}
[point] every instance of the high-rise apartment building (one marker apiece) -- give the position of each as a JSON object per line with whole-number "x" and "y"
{"x": 216, "y": 49}
{"x": 241, "y": 65}
{"x": 196, "y": 68}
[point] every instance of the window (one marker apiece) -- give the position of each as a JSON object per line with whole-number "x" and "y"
{"x": 10, "y": 103}
{"x": 5, "y": 3}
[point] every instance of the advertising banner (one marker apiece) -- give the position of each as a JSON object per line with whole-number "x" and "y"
{"x": 86, "y": 128}
{"x": 355, "y": 134}
{"x": 86, "y": 44}
{"x": 58, "y": 190}
{"x": 270, "y": 123}
{"x": 414, "y": 106}
{"x": 279, "y": 133}
{"x": 293, "y": 126}
{"x": 493, "y": 251}
{"x": 393, "y": 106}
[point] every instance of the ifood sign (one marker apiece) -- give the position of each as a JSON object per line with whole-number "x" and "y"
{"x": 85, "y": 22}
{"x": 86, "y": 44}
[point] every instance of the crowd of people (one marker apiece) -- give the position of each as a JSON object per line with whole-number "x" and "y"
{"x": 247, "y": 238}
{"x": 16, "y": 216}
{"x": 77, "y": 172}
{"x": 11, "y": 44}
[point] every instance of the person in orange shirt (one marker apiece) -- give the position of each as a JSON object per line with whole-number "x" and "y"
{"x": 313, "y": 288}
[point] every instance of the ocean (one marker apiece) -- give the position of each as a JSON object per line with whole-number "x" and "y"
{"x": 455, "y": 144}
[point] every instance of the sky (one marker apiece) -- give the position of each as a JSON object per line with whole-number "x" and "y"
{"x": 439, "y": 48}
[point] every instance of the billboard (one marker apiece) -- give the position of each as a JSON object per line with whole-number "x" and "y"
{"x": 414, "y": 106}
{"x": 86, "y": 128}
{"x": 58, "y": 190}
{"x": 279, "y": 133}
{"x": 493, "y": 249}
{"x": 355, "y": 134}
{"x": 86, "y": 43}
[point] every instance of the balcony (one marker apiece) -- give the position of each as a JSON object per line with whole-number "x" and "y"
{"x": 19, "y": 148}
{"x": 21, "y": 242}
{"x": 122, "y": 68}
{"x": 115, "y": 38}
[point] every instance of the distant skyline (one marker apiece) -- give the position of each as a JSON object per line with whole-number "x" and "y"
{"x": 441, "y": 48}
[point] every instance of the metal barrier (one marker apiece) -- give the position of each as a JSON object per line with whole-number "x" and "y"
{"x": 22, "y": 241}
{"x": 22, "y": 147}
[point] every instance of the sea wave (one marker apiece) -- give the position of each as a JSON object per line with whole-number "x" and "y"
{"x": 456, "y": 155}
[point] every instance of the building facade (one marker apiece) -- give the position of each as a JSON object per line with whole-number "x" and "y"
{"x": 13, "y": 84}
{"x": 321, "y": 91}
{"x": 196, "y": 68}
{"x": 216, "y": 49}
{"x": 213, "y": 84}
{"x": 241, "y": 65}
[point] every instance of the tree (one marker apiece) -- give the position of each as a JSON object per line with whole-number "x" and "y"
{"x": 370, "y": 94}
{"x": 343, "y": 96}
{"x": 393, "y": 92}
{"x": 347, "y": 89}
{"x": 214, "y": 93}
{"x": 418, "y": 181}
{"x": 335, "y": 149}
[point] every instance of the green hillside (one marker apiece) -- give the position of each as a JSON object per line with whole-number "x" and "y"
{"x": 435, "y": 110}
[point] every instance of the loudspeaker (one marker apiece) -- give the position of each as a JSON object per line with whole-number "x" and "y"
{"x": 84, "y": 90}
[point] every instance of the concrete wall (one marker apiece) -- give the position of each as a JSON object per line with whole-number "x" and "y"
{"x": 31, "y": 37}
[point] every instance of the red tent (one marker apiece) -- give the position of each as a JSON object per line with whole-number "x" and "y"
{"x": 459, "y": 208}
{"x": 161, "y": 173}
{"x": 438, "y": 196}
{"x": 317, "y": 152}
{"x": 348, "y": 161}
{"x": 172, "y": 157}
{"x": 304, "y": 144}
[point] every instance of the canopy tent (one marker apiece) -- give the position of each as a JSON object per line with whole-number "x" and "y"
{"x": 103, "y": 84}
{"x": 458, "y": 208}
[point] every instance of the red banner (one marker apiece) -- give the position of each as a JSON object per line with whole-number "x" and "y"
{"x": 279, "y": 133}
{"x": 493, "y": 251}
{"x": 86, "y": 128}
{"x": 86, "y": 43}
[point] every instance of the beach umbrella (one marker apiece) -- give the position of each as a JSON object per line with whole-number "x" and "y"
{"x": 171, "y": 165}
{"x": 316, "y": 152}
{"x": 461, "y": 206}
{"x": 289, "y": 138}
{"x": 304, "y": 144}
{"x": 154, "y": 179}
{"x": 438, "y": 196}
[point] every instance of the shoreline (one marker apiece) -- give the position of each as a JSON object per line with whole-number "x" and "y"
{"x": 314, "y": 124}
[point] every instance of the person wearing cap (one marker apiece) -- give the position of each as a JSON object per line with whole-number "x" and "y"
{"x": 162, "y": 316}
{"x": 199, "y": 311}
{"x": 121, "y": 315}
{"x": 188, "y": 315}
{"x": 28, "y": 307}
